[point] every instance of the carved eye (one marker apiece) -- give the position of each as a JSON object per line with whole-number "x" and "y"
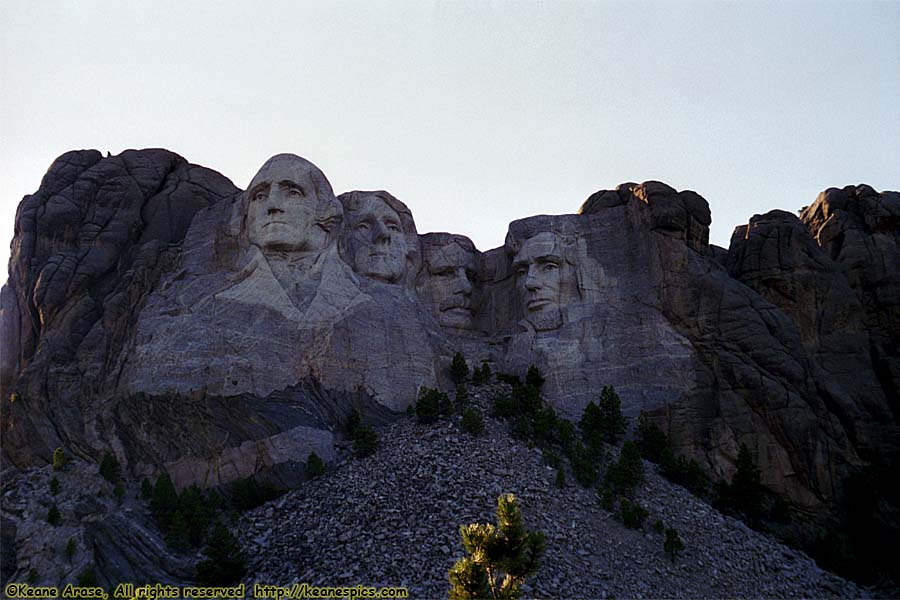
{"x": 521, "y": 271}
{"x": 260, "y": 195}
{"x": 447, "y": 273}
{"x": 393, "y": 227}
{"x": 547, "y": 267}
{"x": 296, "y": 192}
{"x": 362, "y": 226}
{"x": 470, "y": 274}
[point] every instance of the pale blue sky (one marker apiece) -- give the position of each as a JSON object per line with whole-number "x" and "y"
{"x": 473, "y": 113}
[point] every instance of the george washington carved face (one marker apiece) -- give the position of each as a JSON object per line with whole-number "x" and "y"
{"x": 291, "y": 207}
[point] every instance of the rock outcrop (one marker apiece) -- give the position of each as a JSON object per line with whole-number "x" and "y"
{"x": 156, "y": 311}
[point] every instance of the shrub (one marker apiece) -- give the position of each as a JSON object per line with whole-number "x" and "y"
{"x": 354, "y": 421}
{"x": 246, "y": 494}
{"x": 481, "y": 374}
{"x": 70, "y": 549}
{"x": 119, "y": 491}
{"x": 607, "y": 498}
{"x": 472, "y": 422}
{"x": 224, "y": 563}
{"x": 410, "y": 410}
{"x": 314, "y": 466}
{"x": 503, "y": 406}
{"x": 461, "y": 401}
{"x": 498, "y": 557}
{"x": 534, "y": 378}
{"x": 552, "y": 459}
{"x": 164, "y": 502}
{"x": 653, "y": 443}
{"x": 628, "y": 472}
{"x": 60, "y": 460}
{"x": 684, "y": 472}
{"x": 633, "y": 514}
{"x": 459, "y": 370}
{"x": 612, "y": 423}
{"x": 508, "y": 379}
{"x": 54, "y": 486}
{"x": 365, "y": 442}
{"x": 86, "y": 579}
{"x": 110, "y": 469}
{"x": 583, "y": 467}
{"x": 658, "y": 527}
{"x": 53, "y": 516}
{"x": 427, "y": 410}
{"x": 146, "y": 489}
{"x": 673, "y": 544}
{"x": 744, "y": 495}
{"x": 560, "y": 478}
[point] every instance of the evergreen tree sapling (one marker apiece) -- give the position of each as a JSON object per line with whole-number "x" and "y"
{"x": 673, "y": 544}
{"x": 60, "y": 460}
{"x": 224, "y": 563}
{"x": 110, "y": 469}
{"x": 499, "y": 557}
{"x": 314, "y": 466}
{"x": 534, "y": 378}
{"x": 459, "y": 370}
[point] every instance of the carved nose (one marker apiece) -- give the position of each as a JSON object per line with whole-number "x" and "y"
{"x": 531, "y": 282}
{"x": 381, "y": 233}
{"x": 463, "y": 285}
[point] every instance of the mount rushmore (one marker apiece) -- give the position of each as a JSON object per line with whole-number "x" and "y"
{"x": 155, "y": 311}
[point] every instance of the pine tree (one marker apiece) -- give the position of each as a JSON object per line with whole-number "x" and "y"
{"x": 534, "y": 378}
{"x": 224, "y": 563}
{"x": 54, "y": 486}
{"x": 70, "y": 549}
{"x": 164, "y": 502}
{"x": 109, "y": 468}
{"x": 146, "y": 489}
{"x": 459, "y": 370}
{"x": 314, "y": 466}
{"x": 53, "y": 516}
{"x": 60, "y": 460}
{"x": 500, "y": 556}
{"x": 673, "y": 544}
{"x": 628, "y": 472}
{"x": 652, "y": 442}
{"x": 612, "y": 423}
{"x": 472, "y": 422}
{"x": 746, "y": 486}
{"x": 178, "y": 535}
{"x": 461, "y": 402}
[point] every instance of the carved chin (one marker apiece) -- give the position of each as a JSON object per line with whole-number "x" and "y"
{"x": 456, "y": 318}
{"x": 546, "y": 320}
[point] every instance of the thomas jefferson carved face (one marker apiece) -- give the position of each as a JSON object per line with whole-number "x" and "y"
{"x": 542, "y": 276}
{"x": 446, "y": 282}
{"x": 288, "y": 210}
{"x": 376, "y": 241}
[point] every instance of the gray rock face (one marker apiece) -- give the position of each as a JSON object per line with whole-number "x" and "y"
{"x": 156, "y": 311}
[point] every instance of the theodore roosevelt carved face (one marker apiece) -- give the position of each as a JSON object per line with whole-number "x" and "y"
{"x": 379, "y": 239}
{"x": 291, "y": 207}
{"x": 447, "y": 278}
{"x": 545, "y": 279}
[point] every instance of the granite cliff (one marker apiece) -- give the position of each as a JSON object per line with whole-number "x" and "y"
{"x": 156, "y": 311}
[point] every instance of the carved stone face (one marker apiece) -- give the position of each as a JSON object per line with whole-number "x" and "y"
{"x": 542, "y": 274}
{"x": 376, "y": 241}
{"x": 285, "y": 211}
{"x": 447, "y": 284}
